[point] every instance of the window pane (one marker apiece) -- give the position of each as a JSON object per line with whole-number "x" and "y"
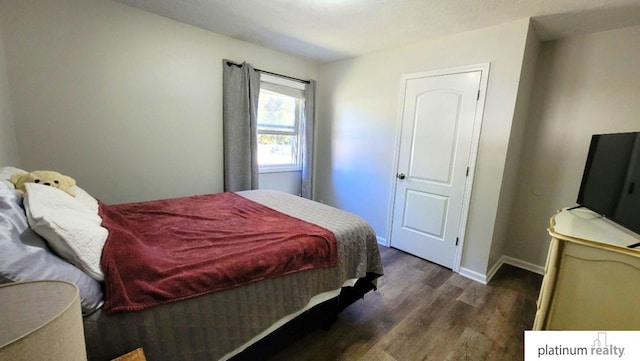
{"x": 277, "y": 149}
{"x": 276, "y": 111}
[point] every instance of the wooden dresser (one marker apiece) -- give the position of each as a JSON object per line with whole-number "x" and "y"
{"x": 592, "y": 279}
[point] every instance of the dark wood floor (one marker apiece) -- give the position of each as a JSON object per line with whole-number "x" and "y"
{"x": 422, "y": 311}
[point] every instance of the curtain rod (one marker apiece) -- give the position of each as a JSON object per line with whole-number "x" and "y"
{"x": 270, "y": 73}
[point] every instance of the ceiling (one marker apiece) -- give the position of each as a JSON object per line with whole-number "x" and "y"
{"x": 328, "y": 30}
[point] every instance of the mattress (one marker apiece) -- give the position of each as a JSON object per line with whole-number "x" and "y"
{"x": 218, "y": 325}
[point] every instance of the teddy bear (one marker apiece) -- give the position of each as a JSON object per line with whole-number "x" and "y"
{"x": 45, "y": 177}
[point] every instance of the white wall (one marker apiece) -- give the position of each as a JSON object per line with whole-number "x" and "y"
{"x": 585, "y": 85}
{"x": 359, "y": 98}
{"x": 126, "y": 102}
{"x": 8, "y": 144}
{"x": 512, "y": 163}
{"x": 290, "y": 182}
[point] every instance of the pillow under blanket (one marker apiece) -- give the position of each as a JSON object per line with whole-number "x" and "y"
{"x": 71, "y": 229}
{"x": 25, "y": 256}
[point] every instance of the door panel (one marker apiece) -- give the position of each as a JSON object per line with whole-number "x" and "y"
{"x": 433, "y": 204}
{"x": 431, "y": 137}
{"x": 438, "y": 115}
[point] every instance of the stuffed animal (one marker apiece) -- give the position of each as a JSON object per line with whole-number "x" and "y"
{"x": 45, "y": 177}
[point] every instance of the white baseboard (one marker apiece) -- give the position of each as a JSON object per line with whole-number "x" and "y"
{"x": 382, "y": 241}
{"x": 473, "y": 275}
{"x": 492, "y": 271}
{"x": 516, "y": 263}
{"x": 523, "y": 264}
{"x": 484, "y": 279}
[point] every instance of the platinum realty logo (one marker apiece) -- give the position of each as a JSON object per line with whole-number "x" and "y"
{"x": 582, "y": 345}
{"x": 599, "y": 347}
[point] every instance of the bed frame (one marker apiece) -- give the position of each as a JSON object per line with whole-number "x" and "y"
{"x": 321, "y": 316}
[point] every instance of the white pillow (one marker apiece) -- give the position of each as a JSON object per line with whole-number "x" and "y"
{"x": 71, "y": 229}
{"x": 85, "y": 198}
{"x": 7, "y": 172}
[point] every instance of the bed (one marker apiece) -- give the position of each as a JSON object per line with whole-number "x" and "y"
{"x": 235, "y": 322}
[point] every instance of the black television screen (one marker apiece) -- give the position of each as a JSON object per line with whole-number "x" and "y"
{"x": 611, "y": 180}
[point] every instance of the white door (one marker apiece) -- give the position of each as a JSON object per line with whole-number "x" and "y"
{"x": 438, "y": 114}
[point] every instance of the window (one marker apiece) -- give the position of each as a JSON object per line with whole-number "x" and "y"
{"x": 280, "y": 117}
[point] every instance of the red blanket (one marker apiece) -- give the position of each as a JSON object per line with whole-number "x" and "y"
{"x": 169, "y": 250}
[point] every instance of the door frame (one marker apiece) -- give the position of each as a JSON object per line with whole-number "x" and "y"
{"x": 475, "y": 142}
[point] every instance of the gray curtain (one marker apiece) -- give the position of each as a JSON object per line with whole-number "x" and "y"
{"x": 241, "y": 87}
{"x": 307, "y": 140}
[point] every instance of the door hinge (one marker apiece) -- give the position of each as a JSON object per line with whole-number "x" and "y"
{"x": 478, "y": 98}
{"x": 467, "y": 172}
{"x": 457, "y": 240}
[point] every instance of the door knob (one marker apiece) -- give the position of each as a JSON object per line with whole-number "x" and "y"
{"x": 400, "y": 176}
